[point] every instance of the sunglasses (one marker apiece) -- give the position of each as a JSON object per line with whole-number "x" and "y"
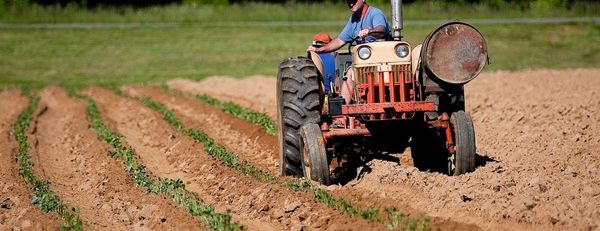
{"x": 351, "y": 3}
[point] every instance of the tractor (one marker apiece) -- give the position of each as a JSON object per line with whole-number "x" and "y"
{"x": 402, "y": 97}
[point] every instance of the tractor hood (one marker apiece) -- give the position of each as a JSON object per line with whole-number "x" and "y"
{"x": 381, "y": 52}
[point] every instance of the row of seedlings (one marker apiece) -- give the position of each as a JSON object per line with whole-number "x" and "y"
{"x": 169, "y": 188}
{"x": 43, "y": 196}
{"x": 260, "y": 119}
{"x": 393, "y": 218}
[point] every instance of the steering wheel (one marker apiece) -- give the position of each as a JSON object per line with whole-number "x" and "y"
{"x": 355, "y": 40}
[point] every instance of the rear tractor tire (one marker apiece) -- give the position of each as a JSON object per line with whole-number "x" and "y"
{"x": 314, "y": 155}
{"x": 463, "y": 159}
{"x": 298, "y": 103}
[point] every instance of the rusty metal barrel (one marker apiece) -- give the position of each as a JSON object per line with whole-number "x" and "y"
{"x": 455, "y": 53}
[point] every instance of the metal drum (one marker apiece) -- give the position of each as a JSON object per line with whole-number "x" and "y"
{"x": 454, "y": 53}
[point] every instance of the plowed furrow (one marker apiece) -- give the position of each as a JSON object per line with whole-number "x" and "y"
{"x": 76, "y": 164}
{"x": 256, "y": 92}
{"x": 167, "y": 153}
{"x": 195, "y": 114}
{"x": 16, "y": 210}
{"x": 236, "y": 135}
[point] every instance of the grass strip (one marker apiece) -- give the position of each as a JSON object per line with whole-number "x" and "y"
{"x": 174, "y": 189}
{"x": 210, "y": 146}
{"x": 257, "y": 118}
{"x": 391, "y": 217}
{"x": 43, "y": 196}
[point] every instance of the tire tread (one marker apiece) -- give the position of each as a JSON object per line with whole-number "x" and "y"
{"x": 298, "y": 104}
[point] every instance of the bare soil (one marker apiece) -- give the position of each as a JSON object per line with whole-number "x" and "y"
{"x": 538, "y": 144}
{"x": 236, "y": 135}
{"x": 253, "y": 92}
{"x": 168, "y": 153}
{"x": 16, "y": 210}
{"x": 76, "y": 164}
{"x": 538, "y": 140}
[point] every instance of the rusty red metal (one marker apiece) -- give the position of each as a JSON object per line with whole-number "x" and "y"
{"x": 324, "y": 126}
{"x": 371, "y": 91}
{"x": 381, "y": 88}
{"x": 445, "y": 125}
{"x": 377, "y": 108}
{"x": 402, "y": 87}
{"x": 346, "y": 133}
{"x": 392, "y": 87}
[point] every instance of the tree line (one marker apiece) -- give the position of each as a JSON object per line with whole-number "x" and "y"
{"x": 146, "y": 3}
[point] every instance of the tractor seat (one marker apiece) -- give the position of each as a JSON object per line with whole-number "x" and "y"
{"x": 325, "y": 63}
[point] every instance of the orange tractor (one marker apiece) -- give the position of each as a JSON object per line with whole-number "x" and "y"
{"x": 402, "y": 97}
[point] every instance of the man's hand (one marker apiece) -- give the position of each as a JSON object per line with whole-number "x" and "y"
{"x": 364, "y": 33}
{"x": 330, "y": 47}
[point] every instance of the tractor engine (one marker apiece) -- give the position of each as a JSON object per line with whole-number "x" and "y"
{"x": 384, "y": 82}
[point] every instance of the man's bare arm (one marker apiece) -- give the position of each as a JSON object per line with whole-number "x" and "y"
{"x": 379, "y": 28}
{"x": 365, "y": 32}
{"x": 334, "y": 45}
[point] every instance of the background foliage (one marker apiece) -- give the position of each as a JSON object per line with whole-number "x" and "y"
{"x": 112, "y": 45}
{"x": 145, "y": 3}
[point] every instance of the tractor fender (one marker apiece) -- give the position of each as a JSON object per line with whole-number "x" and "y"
{"x": 317, "y": 61}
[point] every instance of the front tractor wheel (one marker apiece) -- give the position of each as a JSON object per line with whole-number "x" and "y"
{"x": 463, "y": 159}
{"x": 298, "y": 103}
{"x": 314, "y": 155}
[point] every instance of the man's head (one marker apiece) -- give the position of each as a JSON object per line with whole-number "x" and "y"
{"x": 355, "y": 5}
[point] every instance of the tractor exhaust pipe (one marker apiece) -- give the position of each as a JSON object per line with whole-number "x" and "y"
{"x": 397, "y": 19}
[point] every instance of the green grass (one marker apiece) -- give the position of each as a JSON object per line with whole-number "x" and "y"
{"x": 391, "y": 217}
{"x": 169, "y": 188}
{"x": 43, "y": 196}
{"x": 212, "y": 40}
{"x": 110, "y": 57}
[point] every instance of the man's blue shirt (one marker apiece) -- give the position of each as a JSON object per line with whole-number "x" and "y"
{"x": 372, "y": 19}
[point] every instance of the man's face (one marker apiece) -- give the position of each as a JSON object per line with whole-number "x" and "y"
{"x": 355, "y": 5}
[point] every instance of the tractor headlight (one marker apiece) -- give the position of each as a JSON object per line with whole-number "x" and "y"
{"x": 402, "y": 50}
{"x": 364, "y": 52}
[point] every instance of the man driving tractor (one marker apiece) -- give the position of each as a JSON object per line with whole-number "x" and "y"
{"x": 366, "y": 23}
{"x": 380, "y": 97}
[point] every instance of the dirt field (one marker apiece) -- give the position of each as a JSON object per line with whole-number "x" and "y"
{"x": 538, "y": 144}
{"x": 16, "y": 210}
{"x": 79, "y": 170}
{"x": 537, "y": 134}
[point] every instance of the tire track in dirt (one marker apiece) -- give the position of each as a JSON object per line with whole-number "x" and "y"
{"x": 253, "y": 92}
{"x": 537, "y": 133}
{"x": 16, "y": 210}
{"x": 76, "y": 164}
{"x": 168, "y": 153}
{"x": 206, "y": 118}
